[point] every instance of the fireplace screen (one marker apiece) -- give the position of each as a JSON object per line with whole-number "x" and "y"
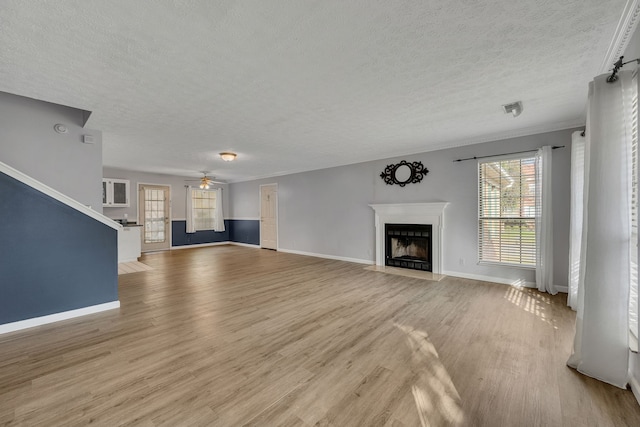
{"x": 408, "y": 246}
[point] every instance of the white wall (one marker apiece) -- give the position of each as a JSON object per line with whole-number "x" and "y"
{"x": 326, "y": 211}
{"x": 178, "y": 192}
{"x": 61, "y": 161}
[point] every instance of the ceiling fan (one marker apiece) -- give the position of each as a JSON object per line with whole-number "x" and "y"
{"x": 205, "y": 181}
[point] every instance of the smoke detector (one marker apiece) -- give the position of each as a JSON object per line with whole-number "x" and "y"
{"x": 60, "y": 128}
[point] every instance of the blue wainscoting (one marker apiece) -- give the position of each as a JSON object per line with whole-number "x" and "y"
{"x": 180, "y": 237}
{"x": 52, "y": 257}
{"x": 241, "y": 231}
{"x": 245, "y": 231}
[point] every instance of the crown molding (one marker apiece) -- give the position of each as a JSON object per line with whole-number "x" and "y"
{"x": 626, "y": 27}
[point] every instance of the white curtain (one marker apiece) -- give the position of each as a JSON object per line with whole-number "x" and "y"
{"x": 601, "y": 347}
{"x": 191, "y": 225}
{"x": 544, "y": 222}
{"x": 218, "y": 219}
{"x": 575, "y": 220}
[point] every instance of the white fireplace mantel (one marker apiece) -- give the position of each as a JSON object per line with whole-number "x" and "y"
{"x": 411, "y": 213}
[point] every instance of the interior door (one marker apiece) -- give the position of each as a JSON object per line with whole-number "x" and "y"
{"x": 153, "y": 209}
{"x": 269, "y": 216}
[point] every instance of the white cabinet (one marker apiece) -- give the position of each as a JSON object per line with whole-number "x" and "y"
{"x": 115, "y": 193}
{"x": 129, "y": 243}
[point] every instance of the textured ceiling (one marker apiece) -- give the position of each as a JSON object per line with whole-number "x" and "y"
{"x": 295, "y": 85}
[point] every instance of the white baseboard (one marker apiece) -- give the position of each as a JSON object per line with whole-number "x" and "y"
{"x": 247, "y": 245}
{"x": 226, "y": 242}
{"x": 635, "y": 387}
{"x": 56, "y": 317}
{"x": 502, "y": 280}
{"x": 338, "y": 258}
{"x": 200, "y": 245}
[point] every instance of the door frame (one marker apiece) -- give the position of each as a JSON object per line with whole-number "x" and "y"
{"x": 170, "y": 212}
{"x": 274, "y": 184}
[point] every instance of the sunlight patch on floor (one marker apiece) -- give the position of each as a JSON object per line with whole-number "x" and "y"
{"x": 436, "y": 398}
{"x": 534, "y": 303}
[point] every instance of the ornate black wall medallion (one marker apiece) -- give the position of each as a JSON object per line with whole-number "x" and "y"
{"x": 404, "y": 173}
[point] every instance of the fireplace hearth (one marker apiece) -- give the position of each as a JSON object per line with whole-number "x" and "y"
{"x": 408, "y": 246}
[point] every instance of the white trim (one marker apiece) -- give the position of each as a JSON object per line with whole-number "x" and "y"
{"x": 337, "y": 258}
{"x": 635, "y": 387}
{"x": 626, "y": 27}
{"x": 33, "y": 183}
{"x": 199, "y": 245}
{"x": 411, "y": 213}
{"x": 562, "y": 289}
{"x": 501, "y": 280}
{"x": 247, "y": 245}
{"x": 178, "y": 219}
{"x": 57, "y": 317}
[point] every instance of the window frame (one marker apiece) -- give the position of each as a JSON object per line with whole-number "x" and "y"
{"x": 529, "y": 155}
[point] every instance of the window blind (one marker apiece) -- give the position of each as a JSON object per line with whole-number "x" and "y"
{"x": 633, "y": 291}
{"x": 507, "y": 211}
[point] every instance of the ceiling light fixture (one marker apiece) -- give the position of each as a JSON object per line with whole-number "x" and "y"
{"x": 514, "y": 108}
{"x": 228, "y": 156}
{"x": 205, "y": 181}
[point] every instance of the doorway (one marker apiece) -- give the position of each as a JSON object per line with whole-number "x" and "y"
{"x": 153, "y": 213}
{"x": 269, "y": 216}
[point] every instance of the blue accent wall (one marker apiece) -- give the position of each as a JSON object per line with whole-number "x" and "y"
{"x": 241, "y": 231}
{"x": 52, "y": 257}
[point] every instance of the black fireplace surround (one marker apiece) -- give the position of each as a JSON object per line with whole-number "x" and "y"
{"x": 408, "y": 246}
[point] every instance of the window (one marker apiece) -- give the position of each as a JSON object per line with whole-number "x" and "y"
{"x": 507, "y": 211}
{"x": 204, "y": 207}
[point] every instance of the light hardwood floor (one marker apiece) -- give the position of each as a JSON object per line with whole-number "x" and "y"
{"x": 232, "y": 336}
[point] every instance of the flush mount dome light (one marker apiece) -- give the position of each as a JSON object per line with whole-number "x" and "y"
{"x": 228, "y": 156}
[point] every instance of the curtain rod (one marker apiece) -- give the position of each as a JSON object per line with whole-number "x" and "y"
{"x": 616, "y": 67}
{"x": 505, "y": 154}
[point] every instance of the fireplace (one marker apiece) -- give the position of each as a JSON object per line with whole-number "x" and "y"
{"x": 408, "y": 246}
{"x": 429, "y": 214}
